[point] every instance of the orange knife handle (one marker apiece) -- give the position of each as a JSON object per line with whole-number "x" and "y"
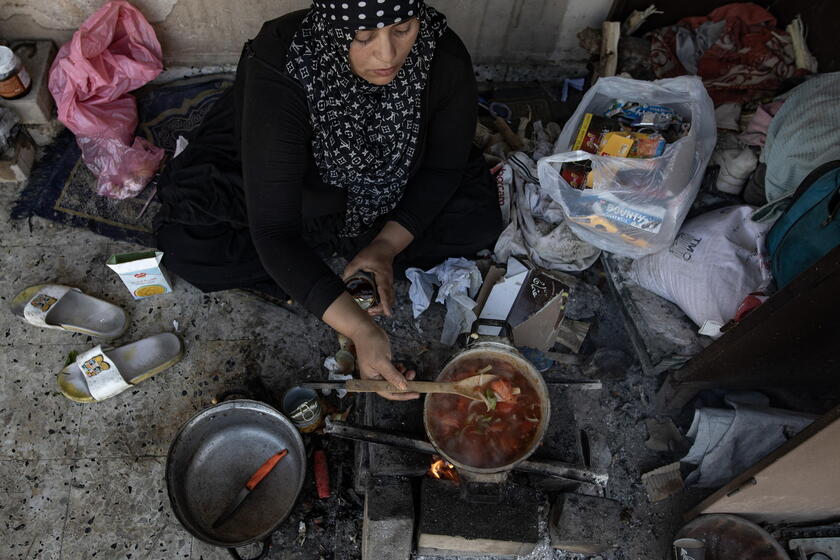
{"x": 266, "y": 468}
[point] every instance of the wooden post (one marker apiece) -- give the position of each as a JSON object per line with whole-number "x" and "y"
{"x": 610, "y": 33}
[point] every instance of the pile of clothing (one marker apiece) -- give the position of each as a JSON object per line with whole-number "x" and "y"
{"x": 736, "y": 49}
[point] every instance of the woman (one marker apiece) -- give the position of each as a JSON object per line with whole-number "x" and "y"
{"x": 348, "y": 130}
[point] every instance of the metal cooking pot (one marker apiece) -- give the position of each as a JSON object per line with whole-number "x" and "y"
{"x": 213, "y": 456}
{"x": 484, "y": 484}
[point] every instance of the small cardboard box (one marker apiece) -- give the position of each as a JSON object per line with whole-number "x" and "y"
{"x": 141, "y": 273}
{"x": 533, "y": 302}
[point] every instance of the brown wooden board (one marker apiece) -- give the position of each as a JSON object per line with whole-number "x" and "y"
{"x": 796, "y": 483}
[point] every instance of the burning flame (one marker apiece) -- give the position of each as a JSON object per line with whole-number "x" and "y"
{"x": 444, "y": 470}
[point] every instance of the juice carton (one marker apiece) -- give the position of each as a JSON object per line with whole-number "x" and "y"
{"x": 141, "y": 273}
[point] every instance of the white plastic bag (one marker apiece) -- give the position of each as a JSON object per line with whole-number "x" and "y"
{"x": 715, "y": 262}
{"x": 538, "y": 230}
{"x": 635, "y": 206}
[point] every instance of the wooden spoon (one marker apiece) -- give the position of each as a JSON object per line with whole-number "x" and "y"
{"x": 465, "y": 387}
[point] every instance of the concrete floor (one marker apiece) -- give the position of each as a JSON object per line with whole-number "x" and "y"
{"x": 86, "y": 481}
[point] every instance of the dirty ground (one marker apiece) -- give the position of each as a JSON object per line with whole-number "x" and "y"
{"x": 86, "y": 481}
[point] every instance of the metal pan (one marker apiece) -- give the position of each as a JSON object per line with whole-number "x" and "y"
{"x": 211, "y": 459}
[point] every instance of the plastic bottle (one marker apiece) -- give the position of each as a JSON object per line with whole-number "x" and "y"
{"x": 14, "y": 79}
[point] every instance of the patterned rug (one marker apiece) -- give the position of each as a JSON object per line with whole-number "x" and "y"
{"x": 61, "y": 188}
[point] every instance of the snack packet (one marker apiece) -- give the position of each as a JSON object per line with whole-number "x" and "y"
{"x": 141, "y": 273}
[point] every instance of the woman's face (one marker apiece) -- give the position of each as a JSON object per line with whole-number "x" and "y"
{"x": 378, "y": 54}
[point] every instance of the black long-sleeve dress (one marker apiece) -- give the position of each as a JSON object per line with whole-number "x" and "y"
{"x": 244, "y": 205}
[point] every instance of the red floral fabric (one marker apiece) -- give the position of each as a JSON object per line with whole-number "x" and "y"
{"x": 750, "y": 59}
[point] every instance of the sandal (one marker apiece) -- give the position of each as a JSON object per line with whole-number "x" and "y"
{"x": 53, "y": 306}
{"x": 101, "y": 373}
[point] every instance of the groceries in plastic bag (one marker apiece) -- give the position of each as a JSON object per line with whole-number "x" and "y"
{"x": 114, "y": 52}
{"x": 715, "y": 262}
{"x": 630, "y": 161}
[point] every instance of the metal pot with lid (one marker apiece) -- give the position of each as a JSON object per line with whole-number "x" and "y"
{"x": 213, "y": 456}
{"x": 486, "y": 439}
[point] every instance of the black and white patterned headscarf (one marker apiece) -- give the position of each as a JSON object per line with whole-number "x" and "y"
{"x": 365, "y": 136}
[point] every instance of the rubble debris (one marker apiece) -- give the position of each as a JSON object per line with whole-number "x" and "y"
{"x": 388, "y": 520}
{"x": 663, "y": 482}
{"x": 663, "y": 337}
{"x": 589, "y": 40}
{"x": 571, "y": 334}
{"x": 585, "y": 300}
{"x": 301, "y": 536}
{"x": 584, "y": 524}
{"x": 449, "y": 525}
{"x": 664, "y": 436}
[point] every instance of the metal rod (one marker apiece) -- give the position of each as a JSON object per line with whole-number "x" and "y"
{"x": 369, "y": 435}
{"x": 554, "y": 469}
{"x": 557, "y": 469}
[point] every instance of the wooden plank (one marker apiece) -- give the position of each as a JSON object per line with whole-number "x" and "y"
{"x": 796, "y": 483}
{"x": 610, "y": 33}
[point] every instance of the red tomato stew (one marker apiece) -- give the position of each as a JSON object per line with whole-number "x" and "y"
{"x": 491, "y": 432}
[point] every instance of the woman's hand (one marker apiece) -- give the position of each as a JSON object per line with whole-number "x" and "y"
{"x": 373, "y": 353}
{"x": 378, "y": 259}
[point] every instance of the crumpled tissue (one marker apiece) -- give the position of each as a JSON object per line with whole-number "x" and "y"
{"x": 459, "y": 280}
{"x": 332, "y": 366}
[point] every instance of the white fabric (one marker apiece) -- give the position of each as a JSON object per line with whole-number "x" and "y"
{"x": 459, "y": 281}
{"x": 735, "y": 168}
{"x": 538, "y": 228}
{"x": 39, "y": 307}
{"x": 727, "y": 442}
{"x": 101, "y": 374}
{"x": 715, "y": 262}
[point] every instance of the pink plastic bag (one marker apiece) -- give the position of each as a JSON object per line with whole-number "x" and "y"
{"x": 114, "y": 52}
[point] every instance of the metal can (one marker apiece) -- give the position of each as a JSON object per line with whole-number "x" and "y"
{"x": 362, "y": 286}
{"x": 14, "y": 80}
{"x": 303, "y": 407}
{"x": 689, "y": 549}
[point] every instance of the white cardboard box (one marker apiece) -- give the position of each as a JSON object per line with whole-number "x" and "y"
{"x": 533, "y": 302}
